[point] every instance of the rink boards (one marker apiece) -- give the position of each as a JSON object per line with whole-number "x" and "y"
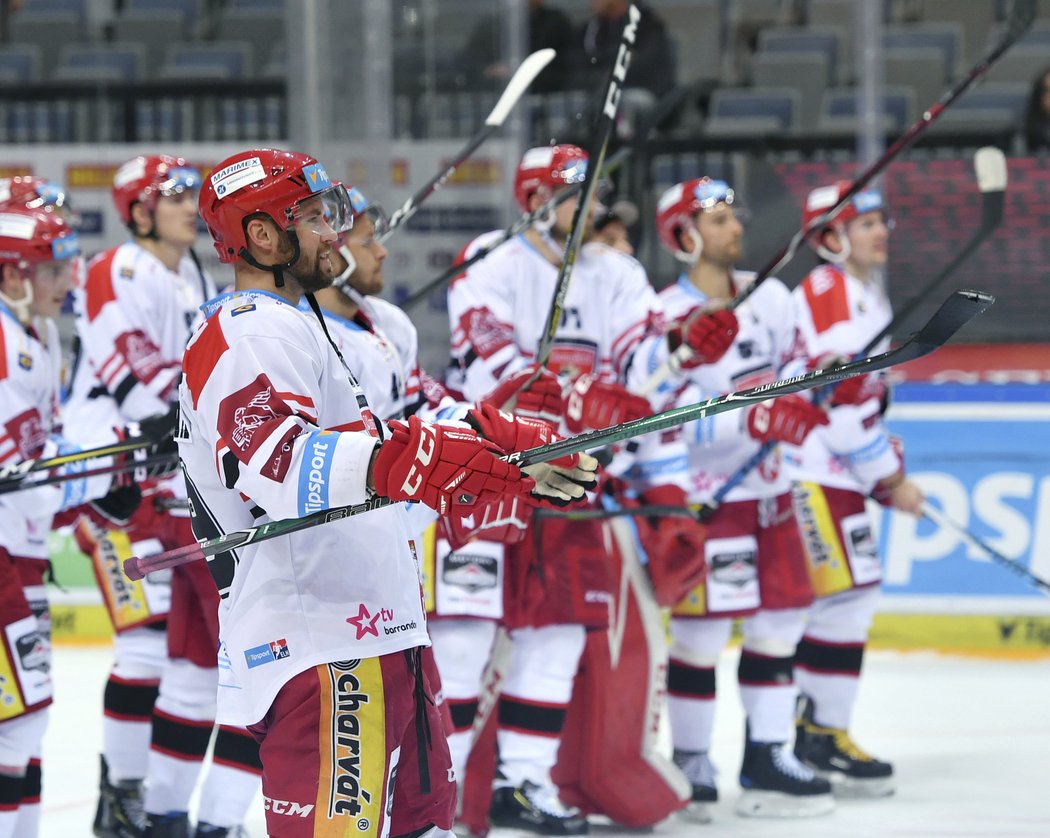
{"x": 980, "y": 453}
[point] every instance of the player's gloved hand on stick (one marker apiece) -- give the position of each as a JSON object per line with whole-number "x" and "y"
{"x": 785, "y": 419}
{"x": 504, "y": 521}
{"x": 852, "y": 391}
{"x": 443, "y": 467}
{"x": 675, "y": 546}
{"x": 709, "y": 334}
{"x": 560, "y": 481}
{"x": 116, "y": 508}
{"x": 594, "y": 404}
{"x": 157, "y": 434}
{"x": 539, "y": 399}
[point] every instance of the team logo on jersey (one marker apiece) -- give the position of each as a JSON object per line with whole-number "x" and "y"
{"x": 275, "y": 650}
{"x": 249, "y": 418}
{"x": 27, "y": 432}
{"x": 142, "y": 355}
{"x": 25, "y": 360}
{"x": 471, "y": 571}
{"x": 242, "y": 309}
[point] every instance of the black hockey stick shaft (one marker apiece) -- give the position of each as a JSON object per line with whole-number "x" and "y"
{"x": 531, "y": 67}
{"x": 664, "y": 107}
{"x": 604, "y": 128}
{"x": 939, "y": 518}
{"x": 956, "y": 311}
{"x": 35, "y": 479}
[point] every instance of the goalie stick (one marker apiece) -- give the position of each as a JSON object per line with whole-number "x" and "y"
{"x": 663, "y": 109}
{"x": 934, "y": 514}
{"x": 953, "y": 314}
{"x": 531, "y": 67}
{"x": 1022, "y": 13}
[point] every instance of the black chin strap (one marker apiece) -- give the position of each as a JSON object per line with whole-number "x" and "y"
{"x": 276, "y": 270}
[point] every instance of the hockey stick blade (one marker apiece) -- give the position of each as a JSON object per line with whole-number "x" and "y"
{"x": 932, "y": 513}
{"x": 956, "y": 311}
{"x": 531, "y": 67}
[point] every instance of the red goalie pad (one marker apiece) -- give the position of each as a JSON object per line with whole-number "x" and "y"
{"x": 609, "y": 742}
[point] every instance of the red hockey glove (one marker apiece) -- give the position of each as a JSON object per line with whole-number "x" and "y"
{"x": 675, "y": 546}
{"x": 855, "y": 390}
{"x": 541, "y": 399}
{"x": 443, "y": 467}
{"x": 785, "y": 419}
{"x": 504, "y": 521}
{"x": 708, "y": 334}
{"x": 594, "y": 404}
{"x": 559, "y": 481}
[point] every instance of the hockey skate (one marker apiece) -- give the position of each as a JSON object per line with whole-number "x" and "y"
{"x": 120, "y": 813}
{"x": 167, "y": 826}
{"x": 537, "y": 809}
{"x": 698, "y": 770}
{"x": 831, "y": 752}
{"x": 777, "y": 785}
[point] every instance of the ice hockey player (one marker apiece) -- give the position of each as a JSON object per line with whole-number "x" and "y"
{"x": 556, "y": 580}
{"x": 38, "y": 268}
{"x": 320, "y": 631}
{"x": 756, "y": 567}
{"x": 134, "y": 316}
{"x": 840, "y": 306}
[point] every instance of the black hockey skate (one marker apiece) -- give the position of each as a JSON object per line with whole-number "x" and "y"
{"x": 700, "y": 773}
{"x": 120, "y": 813}
{"x": 167, "y": 826}
{"x": 831, "y": 752}
{"x": 777, "y": 785}
{"x": 537, "y": 809}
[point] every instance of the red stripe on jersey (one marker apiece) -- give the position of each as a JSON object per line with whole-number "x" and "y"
{"x": 825, "y": 290}
{"x": 202, "y": 355}
{"x": 356, "y": 425}
{"x": 459, "y": 260}
{"x": 3, "y": 353}
{"x": 98, "y": 289}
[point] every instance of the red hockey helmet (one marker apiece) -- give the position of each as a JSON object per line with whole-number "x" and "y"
{"x": 29, "y": 236}
{"x": 823, "y": 198}
{"x": 144, "y": 179}
{"x": 270, "y": 182}
{"x": 548, "y": 168}
{"x": 33, "y": 193}
{"x": 678, "y": 207}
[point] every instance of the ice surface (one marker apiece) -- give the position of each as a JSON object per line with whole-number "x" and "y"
{"x": 970, "y": 739}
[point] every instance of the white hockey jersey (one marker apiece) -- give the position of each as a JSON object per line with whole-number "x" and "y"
{"x": 838, "y": 313}
{"x": 272, "y": 429}
{"x": 30, "y": 377}
{"x": 381, "y": 347}
{"x": 720, "y": 445}
{"x": 497, "y": 310}
{"x": 134, "y": 317}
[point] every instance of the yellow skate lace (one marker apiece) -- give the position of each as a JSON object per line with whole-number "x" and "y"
{"x": 842, "y": 741}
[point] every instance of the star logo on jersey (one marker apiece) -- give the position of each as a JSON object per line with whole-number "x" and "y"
{"x": 364, "y": 622}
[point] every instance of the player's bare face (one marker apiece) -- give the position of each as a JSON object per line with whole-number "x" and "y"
{"x": 722, "y": 234}
{"x": 52, "y": 281}
{"x": 175, "y": 218}
{"x": 869, "y": 239}
{"x": 369, "y": 254}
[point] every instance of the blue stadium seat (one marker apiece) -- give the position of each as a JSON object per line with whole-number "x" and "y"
{"x": 947, "y": 37}
{"x": 823, "y": 39}
{"x": 19, "y": 63}
{"x": 112, "y": 62}
{"x": 781, "y": 104}
{"x": 49, "y": 31}
{"x": 216, "y": 60}
{"x": 898, "y": 106}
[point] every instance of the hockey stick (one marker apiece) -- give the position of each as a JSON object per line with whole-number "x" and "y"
{"x": 990, "y": 167}
{"x": 605, "y": 126}
{"x": 531, "y": 67}
{"x": 1022, "y": 14}
{"x": 663, "y": 109}
{"x": 932, "y": 513}
{"x": 955, "y": 312}
{"x": 27, "y": 481}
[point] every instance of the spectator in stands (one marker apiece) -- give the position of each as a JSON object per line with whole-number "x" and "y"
{"x": 7, "y": 8}
{"x": 482, "y": 57}
{"x": 652, "y": 62}
{"x": 1037, "y": 116}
